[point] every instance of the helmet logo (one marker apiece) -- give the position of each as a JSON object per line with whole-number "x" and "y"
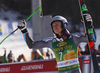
{"x": 65, "y": 26}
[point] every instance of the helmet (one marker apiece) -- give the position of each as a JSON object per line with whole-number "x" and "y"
{"x": 60, "y": 18}
{"x": 64, "y": 24}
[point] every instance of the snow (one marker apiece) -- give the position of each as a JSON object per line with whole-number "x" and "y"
{"x": 16, "y": 41}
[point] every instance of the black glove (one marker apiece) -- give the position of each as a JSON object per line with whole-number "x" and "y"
{"x": 22, "y": 26}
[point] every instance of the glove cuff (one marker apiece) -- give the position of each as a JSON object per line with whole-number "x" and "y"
{"x": 24, "y": 31}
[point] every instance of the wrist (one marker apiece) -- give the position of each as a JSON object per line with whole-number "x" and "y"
{"x": 24, "y": 31}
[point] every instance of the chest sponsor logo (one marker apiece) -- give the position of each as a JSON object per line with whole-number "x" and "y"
{"x": 67, "y": 63}
{"x": 61, "y": 44}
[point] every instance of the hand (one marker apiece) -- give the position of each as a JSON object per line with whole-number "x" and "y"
{"x": 22, "y": 26}
{"x": 87, "y": 17}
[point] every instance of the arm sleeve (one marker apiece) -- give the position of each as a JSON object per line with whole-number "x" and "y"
{"x": 78, "y": 38}
{"x": 37, "y": 44}
{"x": 28, "y": 40}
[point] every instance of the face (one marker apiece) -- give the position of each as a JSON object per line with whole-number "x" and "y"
{"x": 57, "y": 27}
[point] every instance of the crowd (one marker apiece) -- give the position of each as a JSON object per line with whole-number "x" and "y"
{"x": 37, "y": 55}
{"x": 87, "y": 51}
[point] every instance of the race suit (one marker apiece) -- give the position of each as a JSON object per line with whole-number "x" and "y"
{"x": 66, "y": 51}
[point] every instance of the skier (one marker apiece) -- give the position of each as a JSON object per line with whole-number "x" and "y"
{"x": 64, "y": 44}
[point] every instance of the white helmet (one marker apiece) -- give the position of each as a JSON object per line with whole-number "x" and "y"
{"x": 60, "y": 18}
{"x": 64, "y": 24}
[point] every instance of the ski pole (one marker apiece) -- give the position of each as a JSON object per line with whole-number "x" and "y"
{"x": 38, "y": 8}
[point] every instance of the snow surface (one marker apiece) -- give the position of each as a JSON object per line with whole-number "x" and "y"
{"x": 16, "y": 42}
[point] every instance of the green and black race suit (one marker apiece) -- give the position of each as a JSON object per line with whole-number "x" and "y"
{"x": 66, "y": 53}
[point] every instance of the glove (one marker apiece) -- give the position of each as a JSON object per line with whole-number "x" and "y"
{"x": 87, "y": 17}
{"x": 22, "y": 26}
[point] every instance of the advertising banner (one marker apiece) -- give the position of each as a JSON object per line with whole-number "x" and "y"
{"x": 44, "y": 66}
{"x": 29, "y": 67}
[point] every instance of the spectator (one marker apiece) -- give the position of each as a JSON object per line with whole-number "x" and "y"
{"x": 44, "y": 54}
{"x": 79, "y": 50}
{"x": 10, "y": 53}
{"x": 98, "y": 51}
{"x": 87, "y": 51}
{"x": 37, "y": 55}
{"x": 31, "y": 55}
{"x": 48, "y": 53}
{"x": 0, "y": 59}
{"x": 22, "y": 56}
{"x": 11, "y": 59}
{"x": 3, "y": 58}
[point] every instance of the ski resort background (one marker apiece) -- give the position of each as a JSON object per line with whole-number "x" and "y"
{"x": 16, "y": 42}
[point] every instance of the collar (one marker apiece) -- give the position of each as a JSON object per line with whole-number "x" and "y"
{"x": 61, "y": 39}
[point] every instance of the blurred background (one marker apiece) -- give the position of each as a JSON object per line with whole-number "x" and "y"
{"x": 66, "y": 8}
{"x": 12, "y": 11}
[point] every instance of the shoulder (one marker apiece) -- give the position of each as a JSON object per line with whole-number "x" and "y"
{"x": 78, "y": 35}
{"x": 47, "y": 39}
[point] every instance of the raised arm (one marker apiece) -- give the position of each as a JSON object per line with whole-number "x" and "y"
{"x": 37, "y": 44}
{"x": 78, "y": 38}
{"x": 30, "y": 42}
